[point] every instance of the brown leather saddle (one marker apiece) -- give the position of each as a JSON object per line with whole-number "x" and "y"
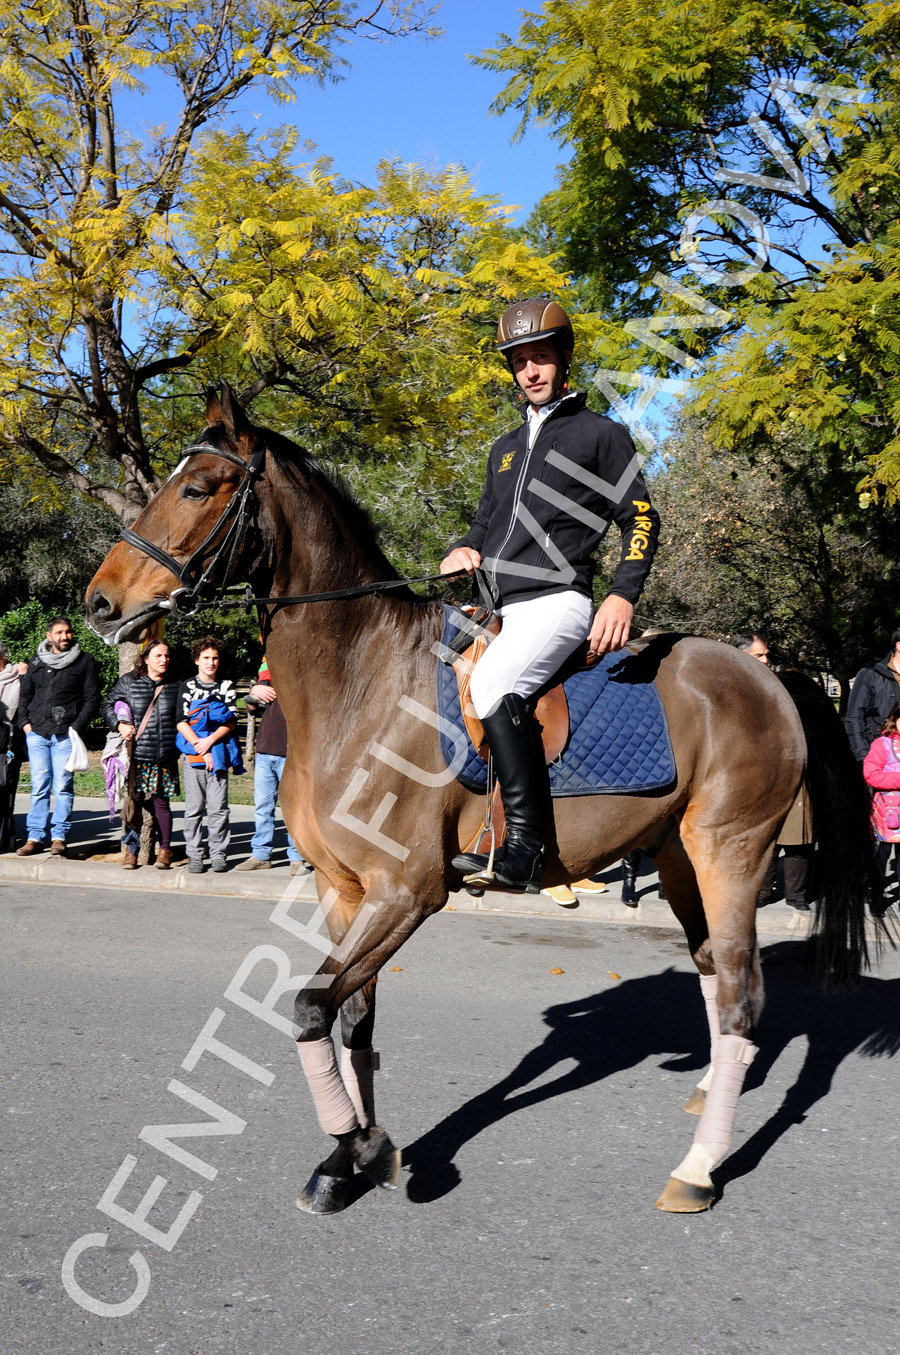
{"x": 551, "y": 713}
{"x": 551, "y": 716}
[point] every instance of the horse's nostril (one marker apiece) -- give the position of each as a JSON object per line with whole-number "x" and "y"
{"x": 100, "y": 606}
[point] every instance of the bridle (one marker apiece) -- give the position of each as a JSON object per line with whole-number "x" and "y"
{"x": 228, "y": 532}
{"x": 231, "y": 526}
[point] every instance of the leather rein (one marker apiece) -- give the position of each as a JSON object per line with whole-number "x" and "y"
{"x": 231, "y": 527}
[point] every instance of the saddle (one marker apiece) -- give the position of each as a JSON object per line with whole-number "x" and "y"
{"x": 551, "y": 711}
{"x": 550, "y": 714}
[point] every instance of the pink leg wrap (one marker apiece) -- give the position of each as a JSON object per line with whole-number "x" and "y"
{"x": 712, "y": 1140}
{"x": 709, "y": 986}
{"x": 358, "y": 1068}
{"x": 333, "y": 1106}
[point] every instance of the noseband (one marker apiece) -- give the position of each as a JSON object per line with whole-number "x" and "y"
{"x": 231, "y": 527}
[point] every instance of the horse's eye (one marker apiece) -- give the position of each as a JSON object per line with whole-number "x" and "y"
{"x": 192, "y": 492}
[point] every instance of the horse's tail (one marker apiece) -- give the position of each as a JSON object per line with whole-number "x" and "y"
{"x": 846, "y": 874}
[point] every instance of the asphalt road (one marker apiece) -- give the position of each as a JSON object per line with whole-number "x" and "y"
{"x": 539, "y": 1115}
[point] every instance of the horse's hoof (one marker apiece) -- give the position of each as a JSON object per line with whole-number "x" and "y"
{"x": 326, "y": 1194}
{"x": 695, "y": 1102}
{"x": 681, "y": 1197}
{"x": 377, "y": 1157}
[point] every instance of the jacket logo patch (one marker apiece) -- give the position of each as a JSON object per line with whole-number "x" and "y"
{"x": 506, "y": 462}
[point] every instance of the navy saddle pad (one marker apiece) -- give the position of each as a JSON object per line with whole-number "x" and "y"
{"x": 619, "y": 738}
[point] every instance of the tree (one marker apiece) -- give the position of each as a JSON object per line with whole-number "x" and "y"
{"x": 671, "y": 108}
{"x": 755, "y": 544}
{"x": 90, "y": 213}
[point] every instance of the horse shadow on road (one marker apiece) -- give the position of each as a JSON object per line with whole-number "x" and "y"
{"x": 662, "y": 1016}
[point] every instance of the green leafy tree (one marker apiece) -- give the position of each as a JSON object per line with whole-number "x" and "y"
{"x": 756, "y": 543}
{"x": 669, "y": 109}
{"x": 135, "y": 267}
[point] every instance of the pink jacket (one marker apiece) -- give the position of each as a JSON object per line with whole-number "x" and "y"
{"x": 882, "y": 771}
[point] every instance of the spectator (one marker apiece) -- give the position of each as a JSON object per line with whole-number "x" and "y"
{"x": 59, "y": 691}
{"x": 12, "y": 746}
{"x": 206, "y": 777}
{"x": 142, "y": 706}
{"x": 875, "y": 690}
{"x": 881, "y": 769}
{"x": 754, "y": 645}
{"x": 796, "y": 837}
{"x": 271, "y": 751}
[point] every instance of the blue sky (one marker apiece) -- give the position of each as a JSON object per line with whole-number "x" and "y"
{"x": 420, "y": 100}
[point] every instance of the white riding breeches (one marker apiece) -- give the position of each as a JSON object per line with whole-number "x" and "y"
{"x": 536, "y": 637}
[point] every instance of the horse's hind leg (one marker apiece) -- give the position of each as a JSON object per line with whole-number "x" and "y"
{"x": 679, "y": 879}
{"x": 727, "y": 880}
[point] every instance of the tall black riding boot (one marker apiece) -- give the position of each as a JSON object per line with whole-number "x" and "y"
{"x": 519, "y": 863}
{"x": 629, "y": 878}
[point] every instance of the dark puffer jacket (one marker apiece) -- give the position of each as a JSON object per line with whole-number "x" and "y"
{"x": 52, "y": 699}
{"x": 876, "y": 691}
{"x": 157, "y": 743}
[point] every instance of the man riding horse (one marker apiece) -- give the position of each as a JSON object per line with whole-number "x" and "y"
{"x": 552, "y": 486}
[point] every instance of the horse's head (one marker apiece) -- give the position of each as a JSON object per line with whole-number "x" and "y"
{"x": 192, "y": 531}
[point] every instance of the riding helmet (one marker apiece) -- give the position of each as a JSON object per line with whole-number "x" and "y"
{"x": 538, "y": 318}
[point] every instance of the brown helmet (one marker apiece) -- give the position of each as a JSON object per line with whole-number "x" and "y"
{"x": 537, "y": 318}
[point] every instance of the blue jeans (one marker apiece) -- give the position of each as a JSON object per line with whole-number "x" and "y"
{"x": 266, "y": 780}
{"x": 47, "y": 760}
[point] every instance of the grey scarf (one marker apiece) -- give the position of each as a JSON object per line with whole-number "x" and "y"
{"x": 48, "y": 655}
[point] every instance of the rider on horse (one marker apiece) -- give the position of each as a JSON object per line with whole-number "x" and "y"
{"x": 553, "y": 484}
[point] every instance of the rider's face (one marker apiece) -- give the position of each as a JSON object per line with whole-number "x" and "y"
{"x": 538, "y": 369}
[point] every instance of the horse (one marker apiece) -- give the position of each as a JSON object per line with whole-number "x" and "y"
{"x": 369, "y": 801}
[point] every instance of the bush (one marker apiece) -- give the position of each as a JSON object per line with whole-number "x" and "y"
{"x": 23, "y": 630}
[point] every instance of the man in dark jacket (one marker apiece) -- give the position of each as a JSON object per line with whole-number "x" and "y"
{"x": 60, "y": 691}
{"x": 553, "y": 486}
{"x": 269, "y": 760}
{"x": 876, "y": 690}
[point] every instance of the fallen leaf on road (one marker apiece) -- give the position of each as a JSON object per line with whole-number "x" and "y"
{"x": 557, "y": 970}
{"x": 613, "y": 975}
{"x": 396, "y": 969}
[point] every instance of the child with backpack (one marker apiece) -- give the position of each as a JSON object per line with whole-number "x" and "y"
{"x": 207, "y": 709}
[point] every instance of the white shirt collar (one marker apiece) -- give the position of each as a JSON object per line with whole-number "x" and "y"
{"x": 537, "y": 416}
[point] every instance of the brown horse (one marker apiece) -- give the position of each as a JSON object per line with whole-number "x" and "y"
{"x": 369, "y": 802}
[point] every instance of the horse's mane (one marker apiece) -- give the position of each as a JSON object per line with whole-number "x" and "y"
{"x": 291, "y": 457}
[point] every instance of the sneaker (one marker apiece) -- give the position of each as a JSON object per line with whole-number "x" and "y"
{"x": 589, "y": 886}
{"x": 195, "y": 867}
{"x": 254, "y": 863}
{"x": 219, "y": 864}
{"x": 57, "y": 847}
{"x": 30, "y": 848}
{"x": 561, "y": 894}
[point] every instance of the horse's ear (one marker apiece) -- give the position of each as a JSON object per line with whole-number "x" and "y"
{"x": 232, "y": 415}
{"x": 213, "y": 408}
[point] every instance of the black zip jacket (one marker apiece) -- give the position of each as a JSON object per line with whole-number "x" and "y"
{"x": 157, "y": 743}
{"x": 53, "y": 699}
{"x": 874, "y": 694}
{"x": 540, "y": 520}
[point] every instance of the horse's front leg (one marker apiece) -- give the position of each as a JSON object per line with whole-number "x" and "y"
{"x": 343, "y": 1095}
{"x": 331, "y": 1186}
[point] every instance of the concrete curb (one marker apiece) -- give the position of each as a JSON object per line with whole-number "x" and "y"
{"x": 269, "y": 885}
